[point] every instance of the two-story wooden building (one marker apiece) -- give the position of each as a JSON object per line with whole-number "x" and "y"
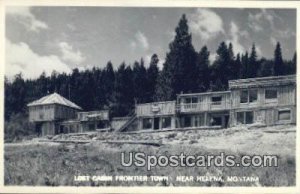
{"x": 265, "y": 101}
{"x": 47, "y": 113}
{"x": 156, "y": 115}
{"x": 54, "y": 114}
{"x": 204, "y": 109}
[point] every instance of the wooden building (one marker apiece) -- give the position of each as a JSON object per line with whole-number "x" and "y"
{"x": 87, "y": 121}
{"x": 204, "y": 109}
{"x": 49, "y": 111}
{"x": 266, "y": 100}
{"x": 156, "y": 115}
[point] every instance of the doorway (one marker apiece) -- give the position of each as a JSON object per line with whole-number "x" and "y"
{"x": 156, "y": 123}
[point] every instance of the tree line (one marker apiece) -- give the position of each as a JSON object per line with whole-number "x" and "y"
{"x": 185, "y": 70}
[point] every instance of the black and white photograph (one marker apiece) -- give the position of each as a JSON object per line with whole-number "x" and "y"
{"x": 144, "y": 96}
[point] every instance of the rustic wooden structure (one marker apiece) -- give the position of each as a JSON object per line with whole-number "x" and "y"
{"x": 156, "y": 115}
{"x": 204, "y": 109}
{"x": 54, "y": 114}
{"x": 49, "y": 111}
{"x": 266, "y": 100}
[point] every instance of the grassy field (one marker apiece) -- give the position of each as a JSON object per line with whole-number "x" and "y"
{"x": 54, "y": 164}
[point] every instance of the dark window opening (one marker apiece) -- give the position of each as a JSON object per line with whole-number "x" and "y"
{"x": 248, "y": 96}
{"x": 100, "y": 125}
{"x": 156, "y": 123}
{"x": 194, "y": 100}
{"x": 252, "y": 95}
{"x": 244, "y": 96}
{"x": 216, "y": 100}
{"x": 284, "y": 115}
{"x": 199, "y": 120}
{"x": 91, "y": 127}
{"x": 187, "y": 121}
{"x": 249, "y": 117}
{"x": 216, "y": 121}
{"x": 166, "y": 122}
{"x": 188, "y": 100}
{"x": 240, "y": 117}
{"x": 147, "y": 123}
{"x": 271, "y": 94}
{"x": 245, "y": 117}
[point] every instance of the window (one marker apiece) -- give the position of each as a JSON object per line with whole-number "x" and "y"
{"x": 91, "y": 127}
{"x": 216, "y": 100}
{"x": 284, "y": 115}
{"x": 244, "y": 96}
{"x": 199, "y": 120}
{"x": 249, "y": 117}
{"x": 100, "y": 125}
{"x": 166, "y": 122}
{"x": 245, "y": 117}
{"x": 187, "y": 121}
{"x": 147, "y": 123}
{"x": 252, "y": 95}
{"x": 240, "y": 117}
{"x": 188, "y": 100}
{"x": 194, "y": 100}
{"x": 248, "y": 96}
{"x": 271, "y": 94}
{"x": 216, "y": 121}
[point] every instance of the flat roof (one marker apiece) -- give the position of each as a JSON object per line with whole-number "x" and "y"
{"x": 204, "y": 93}
{"x": 262, "y": 81}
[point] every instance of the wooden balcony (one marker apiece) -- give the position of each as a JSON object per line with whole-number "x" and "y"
{"x": 93, "y": 115}
{"x": 199, "y": 107}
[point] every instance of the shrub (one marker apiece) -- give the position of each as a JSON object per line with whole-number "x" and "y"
{"x": 18, "y": 128}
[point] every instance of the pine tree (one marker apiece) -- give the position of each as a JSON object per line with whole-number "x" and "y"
{"x": 220, "y": 71}
{"x": 203, "y": 70}
{"x": 124, "y": 93}
{"x": 245, "y": 64}
{"x": 231, "y": 64}
{"x": 139, "y": 81}
{"x": 252, "y": 66}
{"x": 152, "y": 78}
{"x": 278, "y": 62}
{"x": 18, "y": 94}
{"x": 179, "y": 71}
{"x": 109, "y": 84}
{"x": 294, "y": 64}
{"x": 237, "y": 67}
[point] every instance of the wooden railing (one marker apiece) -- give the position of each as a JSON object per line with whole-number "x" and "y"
{"x": 194, "y": 107}
{"x": 101, "y": 115}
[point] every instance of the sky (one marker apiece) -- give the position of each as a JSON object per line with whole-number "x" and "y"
{"x": 43, "y": 39}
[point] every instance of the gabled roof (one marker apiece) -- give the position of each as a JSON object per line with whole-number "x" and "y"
{"x": 54, "y": 99}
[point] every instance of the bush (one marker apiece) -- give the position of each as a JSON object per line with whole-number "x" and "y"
{"x": 18, "y": 128}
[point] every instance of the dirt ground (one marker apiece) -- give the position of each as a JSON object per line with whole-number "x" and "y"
{"x": 44, "y": 163}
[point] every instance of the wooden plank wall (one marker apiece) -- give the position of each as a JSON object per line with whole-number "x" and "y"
{"x": 64, "y": 112}
{"x": 165, "y": 108}
{"x": 286, "y": 96}
{"x": 41, "y": 113}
